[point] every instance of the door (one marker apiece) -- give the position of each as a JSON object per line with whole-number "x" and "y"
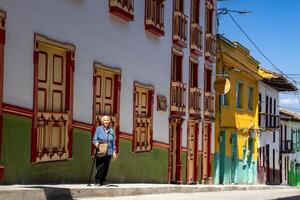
{"x": 175, "y": 165}
{"x": 233, "y": 156}
{"x": 268, "y": 162}
{"x": 222, "y": 155}
{"x": 192, "y": 146}
{"x": 206, "y": 153}
{"x": 284, "y": 169}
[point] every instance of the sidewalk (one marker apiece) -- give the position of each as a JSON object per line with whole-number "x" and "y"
{"x": 46, "y": 192}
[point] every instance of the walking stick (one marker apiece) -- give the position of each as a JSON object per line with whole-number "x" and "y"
{"x": 92, "y": 167}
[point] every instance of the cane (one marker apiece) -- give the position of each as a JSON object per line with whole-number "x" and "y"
{"x": 92, "y": 167}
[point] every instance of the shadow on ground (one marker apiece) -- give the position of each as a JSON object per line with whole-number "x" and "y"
{"x": 290, "y": 198}
{"x": 55, "y": 193}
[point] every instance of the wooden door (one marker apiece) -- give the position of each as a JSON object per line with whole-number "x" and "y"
{"x": 268, "y": 162}
{"x": 191, "y": 156}
{"x": 172, "y": 153}
{"x": 51, "y": 80}
{"x": 205, "y": 156}
{"x": 175, "y": 165}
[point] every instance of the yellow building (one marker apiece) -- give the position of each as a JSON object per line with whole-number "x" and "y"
{"x": 236, "y": 116}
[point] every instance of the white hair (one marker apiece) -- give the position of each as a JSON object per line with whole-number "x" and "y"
{"x": 105, "y": 117}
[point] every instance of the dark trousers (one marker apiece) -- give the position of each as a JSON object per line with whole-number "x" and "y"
{"x": 102, "y": 165}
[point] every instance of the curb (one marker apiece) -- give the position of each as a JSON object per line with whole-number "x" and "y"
{"x": 47, "y": 192}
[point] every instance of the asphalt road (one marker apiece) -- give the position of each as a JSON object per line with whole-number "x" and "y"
{"x": 280, "y": 194}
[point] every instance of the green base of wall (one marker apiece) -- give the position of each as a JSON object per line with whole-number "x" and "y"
{"x": 293, "y": 178}
{"x": 244, "y": 172}
{"x": 151, "y": 167}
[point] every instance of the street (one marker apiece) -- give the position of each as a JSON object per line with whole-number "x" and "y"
{"x": 280, "y": 194}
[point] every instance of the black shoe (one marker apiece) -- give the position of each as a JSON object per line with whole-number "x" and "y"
{"x": 102, "y": 183}
{"x": 97, "y": 182}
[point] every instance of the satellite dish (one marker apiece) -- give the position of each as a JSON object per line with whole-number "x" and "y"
{"x": 222, "y": 85}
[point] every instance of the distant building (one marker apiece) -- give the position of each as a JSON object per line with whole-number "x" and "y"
{"x": 236, "y": 135}
{"x": 149, "y": 64}
{"x": 269, "y": 152}
{"x": 289, "y": 148}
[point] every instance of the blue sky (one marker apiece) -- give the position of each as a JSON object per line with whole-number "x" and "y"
{"x": 274, "y": 26}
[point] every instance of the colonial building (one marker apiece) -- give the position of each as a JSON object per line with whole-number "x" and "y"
{"x": 269, "y": 153}
{"x": 289, "y": 148}
{"x": 149, "y": 64}
{"x": 236, "y": 116}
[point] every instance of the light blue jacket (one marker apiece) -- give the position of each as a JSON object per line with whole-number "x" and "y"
{"x": 101, "y": 136}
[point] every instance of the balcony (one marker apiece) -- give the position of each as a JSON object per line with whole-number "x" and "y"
{"x": 122, "y": 8}
{"x": 209, "y": 107}
{"x": 52, "y": 136}
{"x": 210, "y": 46}
{"x": 195, "y": 102}
{"x": 155, "y": 18}
{"x": 178, "y": 93}
{"x": 196, "y": 39}
{"x": 274, "y": 121}
{"x": 180, "y": 29}
{"x": 287, "y": 146}
{"x": 143, "y": 131}
{"x": 269, "y": 121}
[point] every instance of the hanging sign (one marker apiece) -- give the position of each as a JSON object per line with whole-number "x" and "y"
{"x": 222, "y": 85}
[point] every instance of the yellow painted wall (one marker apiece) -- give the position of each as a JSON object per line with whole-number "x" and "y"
{"x": 230, "y": 118}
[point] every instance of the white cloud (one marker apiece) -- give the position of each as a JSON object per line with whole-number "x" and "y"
{"x": 289, "y": 101}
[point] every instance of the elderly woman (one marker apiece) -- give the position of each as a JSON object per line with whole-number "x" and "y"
{"x": 104, "y": 135}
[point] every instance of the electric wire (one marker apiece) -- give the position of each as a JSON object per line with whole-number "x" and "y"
{"x": 225, "y": 11}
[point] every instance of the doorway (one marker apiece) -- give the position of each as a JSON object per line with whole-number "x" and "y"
{"x": 175, "y": 164}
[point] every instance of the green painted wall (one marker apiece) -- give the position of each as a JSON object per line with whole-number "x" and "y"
{"x": 246, "y": 173}
{"x": 294, "y": 175}
{"x": 139, "y": 167}
{"x": 216, "y": 169}
{"x": 130, "y": 167}
{"x": 16, "y": 150}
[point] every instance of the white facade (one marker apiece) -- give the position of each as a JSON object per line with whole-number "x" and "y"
{"x": 269, "y": 137}
{"x": 291, "y": 152}
{"x": 98, "y": 36}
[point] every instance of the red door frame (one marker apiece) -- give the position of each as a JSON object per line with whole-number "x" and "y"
{"x": 2, "y": 43}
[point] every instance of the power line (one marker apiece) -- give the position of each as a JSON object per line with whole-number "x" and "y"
{"x": 226, "y": 11}
{"x": 257, "y": 48}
